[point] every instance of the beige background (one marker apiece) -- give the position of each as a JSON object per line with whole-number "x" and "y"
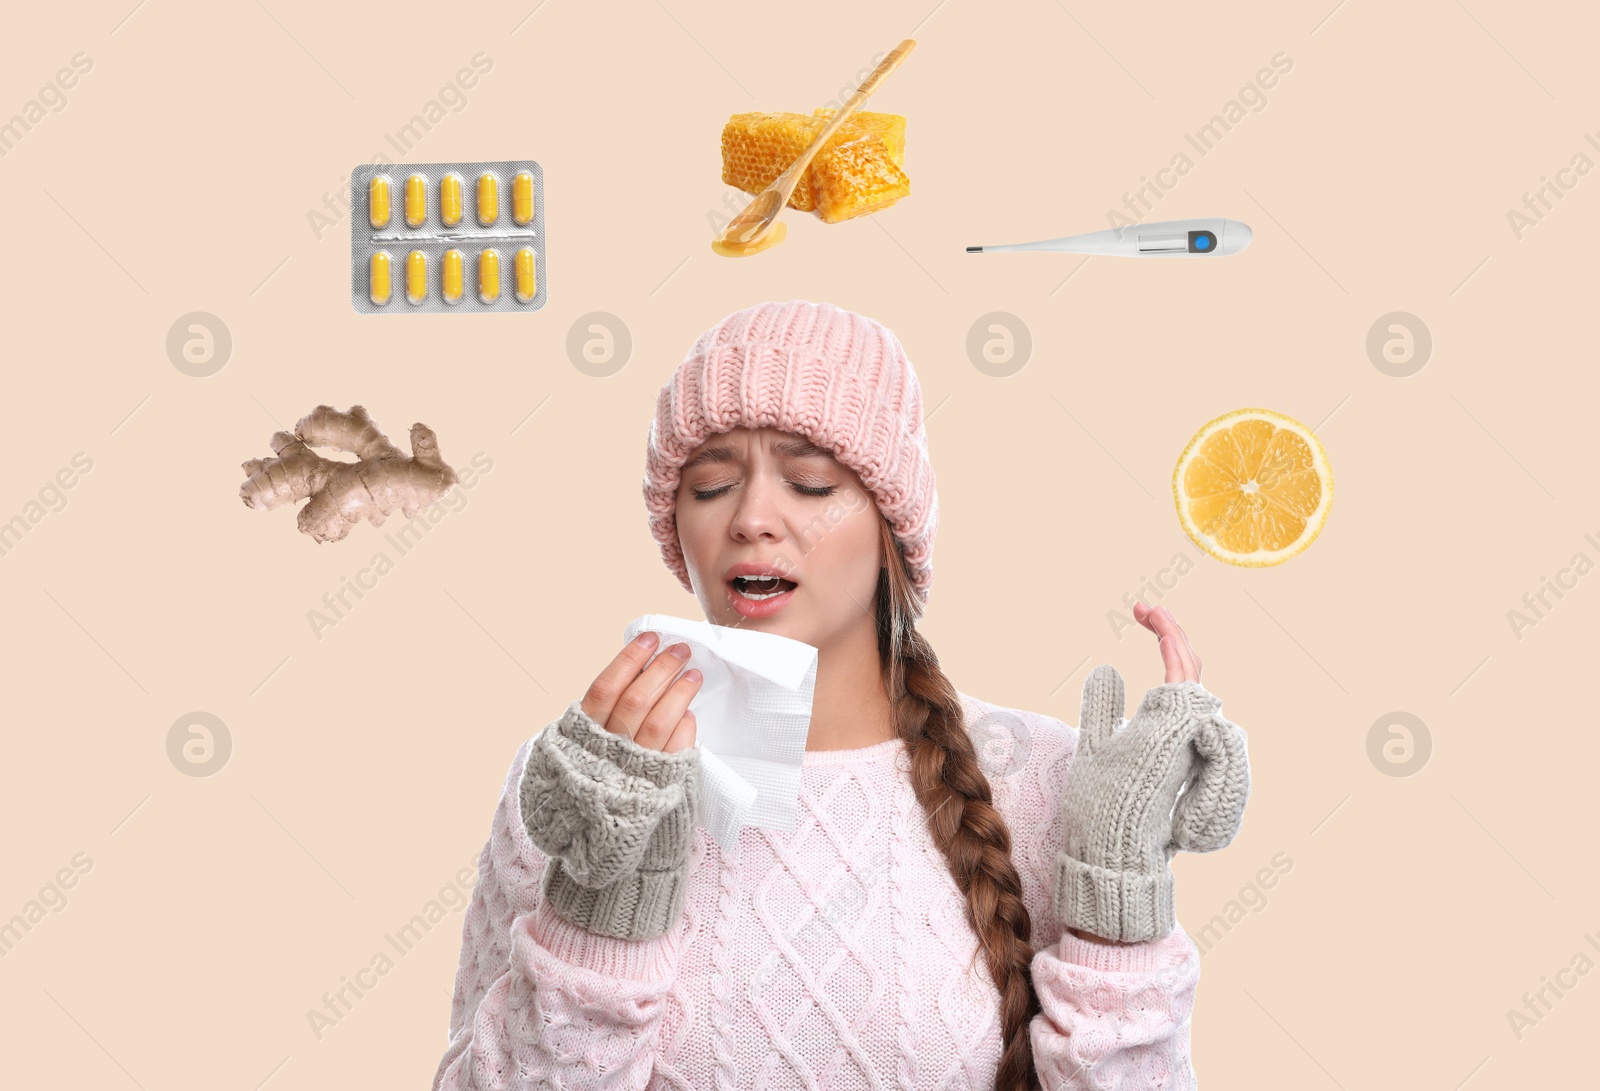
{"x": 209, "y": 914}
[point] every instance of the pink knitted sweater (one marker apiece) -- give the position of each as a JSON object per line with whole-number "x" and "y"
{"x": 838, "y": 956}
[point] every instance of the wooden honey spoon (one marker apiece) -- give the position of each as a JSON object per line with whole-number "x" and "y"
{"x": 757, "y": 228}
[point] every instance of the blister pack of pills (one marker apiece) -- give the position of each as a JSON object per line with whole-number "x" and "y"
{"x": 455, "y": 237}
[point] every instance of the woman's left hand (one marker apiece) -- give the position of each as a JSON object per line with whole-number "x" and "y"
{"x": 1182, "y": 664}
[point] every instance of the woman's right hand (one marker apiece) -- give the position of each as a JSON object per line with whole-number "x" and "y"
{"x": 648, "y": 704}
{"x": 607, "y": 796}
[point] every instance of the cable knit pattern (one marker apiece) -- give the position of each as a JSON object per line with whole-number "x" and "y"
{"x": 1125, "y": 816}
{"x": 722, "y": 1010}
{"x": 618, "y": 817}
{"x": 834, "y": 956}
{"x": 905, "y": 947}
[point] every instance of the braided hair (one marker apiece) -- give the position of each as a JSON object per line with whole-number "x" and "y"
{"x": 955, "y": 794}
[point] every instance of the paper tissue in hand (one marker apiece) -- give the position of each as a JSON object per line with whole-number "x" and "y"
{"x": 752, "y": 715}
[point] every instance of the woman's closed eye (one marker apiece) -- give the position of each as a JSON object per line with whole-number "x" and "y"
{"x": 807, "y": 490}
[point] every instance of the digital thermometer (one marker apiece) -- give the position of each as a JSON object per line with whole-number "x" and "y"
{"x": 1186, "y": 238}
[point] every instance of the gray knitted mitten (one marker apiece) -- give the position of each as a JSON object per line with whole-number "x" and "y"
{"x": 616, "y": 819}
{"x": 1123, "y": 813}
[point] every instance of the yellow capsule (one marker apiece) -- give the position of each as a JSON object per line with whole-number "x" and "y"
{"x": 526, "y": 286}
{"x": 378, "y": 200}
{"x": 379, "y": 277}
{"x": 488, "y": 198}
{"x": 450, "y": 199}
{"x": 451, "y": 285}
{"x": 522, "y": 198}
{"x": 416, "y": 276}
{"x": 416, "y": 200}
{"x": 489, "y": 276}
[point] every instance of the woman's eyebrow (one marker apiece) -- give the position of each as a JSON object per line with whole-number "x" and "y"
{"x": 800, "y": 448}
{"x": 788, "y": 448}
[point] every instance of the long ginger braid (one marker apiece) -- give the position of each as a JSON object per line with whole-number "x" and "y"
{"x": 955, "y": 794}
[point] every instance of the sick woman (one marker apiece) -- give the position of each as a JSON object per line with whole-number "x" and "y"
{"x": 973, "y": 896}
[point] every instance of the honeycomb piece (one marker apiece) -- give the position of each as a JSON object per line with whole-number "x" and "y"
{"x": 892, "y": 127}
{"x": 757, "y": 147}
{"x": 858, "y": 177}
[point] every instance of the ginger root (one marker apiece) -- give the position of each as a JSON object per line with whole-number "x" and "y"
{"x": 380, "y": 482}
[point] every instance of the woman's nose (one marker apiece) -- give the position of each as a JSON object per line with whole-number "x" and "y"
{"x": 758, "y": 512}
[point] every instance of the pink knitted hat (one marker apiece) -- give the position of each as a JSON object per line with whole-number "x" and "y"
{"x": 840, "y": 380}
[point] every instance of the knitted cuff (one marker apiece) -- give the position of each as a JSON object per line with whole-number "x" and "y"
{"x": 1120, "y": 905}
{"x": 596, "y": 800}
{"x": 639, "y": 905}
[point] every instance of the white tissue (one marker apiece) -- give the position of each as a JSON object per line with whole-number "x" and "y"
{"x": 752, "y": 715}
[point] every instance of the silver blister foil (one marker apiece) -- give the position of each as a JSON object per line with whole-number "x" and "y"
{"x": 433, "y": 239}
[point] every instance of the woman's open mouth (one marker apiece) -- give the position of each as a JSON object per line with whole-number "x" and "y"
{"x": 758, "y": 590}
{"x": 760, "y": 597}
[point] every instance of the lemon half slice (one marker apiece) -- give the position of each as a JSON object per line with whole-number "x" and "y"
{"x": 1253, "y": 487}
